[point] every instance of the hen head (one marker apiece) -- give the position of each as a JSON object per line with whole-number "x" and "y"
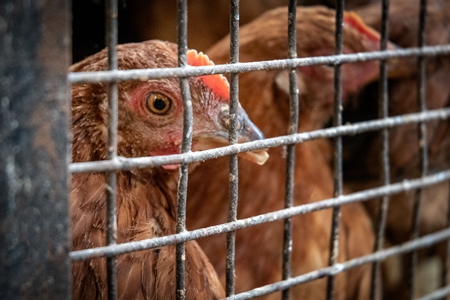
{"x": 316, "y": 37}
{"x": 151, "y": 112}
{"x": 266, "y": 38}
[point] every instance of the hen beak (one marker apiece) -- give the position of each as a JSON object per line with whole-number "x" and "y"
{"x": 246, "y": 132}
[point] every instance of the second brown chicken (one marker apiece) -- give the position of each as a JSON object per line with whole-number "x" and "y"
{"x": 261, "y": 189}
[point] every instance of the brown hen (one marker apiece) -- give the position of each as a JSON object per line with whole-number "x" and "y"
{"x": 150, "y": 123}
{"x": 261, "y": 189}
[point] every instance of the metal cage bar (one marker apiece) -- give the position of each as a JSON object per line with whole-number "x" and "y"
{"x": 123, "y": 163}
{"x": 419, "y": 243}
{"x": 111, "y": 17}
{"x": 290, "y": 156}
{"x": 383, "y": 113}
{"x": 233, "y": 161}
{"x": 146, "y": 74}
{"x": 391, "y": 189}
{"x": 337, "y": 121}
{"x": 423, "y": 143}
{"x": 185, "y": 147}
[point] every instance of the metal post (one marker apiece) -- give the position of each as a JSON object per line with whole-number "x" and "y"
{"x": 423, "y": 144}
{"x": 111, "y": 24}
{"x": 383, "y": 113}
{"x": 34, "y": 108}
{"x": 294, "y": 112}
{"x": 185, "y": 147}
{"x": 337, "y": 121}
{"x": 233, "y": 162}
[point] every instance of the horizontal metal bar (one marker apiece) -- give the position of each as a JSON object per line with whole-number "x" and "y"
{"x": 403, "y": 186}
{"x": 122, "y": 163}
{"x": 419, "y": 243}
{"x": 146, "y": 74}
{"x": 437, "y": 294}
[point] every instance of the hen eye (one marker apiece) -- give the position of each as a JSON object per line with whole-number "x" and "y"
{"x": 158, "y": 103}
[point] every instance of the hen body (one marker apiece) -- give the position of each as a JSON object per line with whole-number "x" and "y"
{"x": 150, "y": 123}
{"x": 261, "y": 189}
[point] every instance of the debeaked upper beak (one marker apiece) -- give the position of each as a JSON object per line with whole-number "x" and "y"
{"x": 217, "y": 134}
{"x": 246, "y": 132}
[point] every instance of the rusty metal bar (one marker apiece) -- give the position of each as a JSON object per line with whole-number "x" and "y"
{"x": 407, "y": 247}
{"x": 185, "y": 147}
{"x": 233, "y": 161}
{"x": 406, "y": 185}
{"x": 111, "y": 15}
{"x": 337, "y": 121}
{"x": 423, "y": 144}
{"x": 290, "y": 155}
{"x": 146, "y": 74}
{"x": 383, "y": 113}
{"x": 34, "y": 183}
{"x": 122, "y": 163}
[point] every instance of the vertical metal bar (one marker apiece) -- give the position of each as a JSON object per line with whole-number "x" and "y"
{"x": 446, "y": 268}
{"x": 34, "y": 183}
{"x": 383, "y": 112}
{"x": 111, "y": 178}
{"x": 185, "y": 147}
{"x": 337, "y": 121}
{"x": 423, "y": 144}
{"x": 290, "y": 159}
{"x": 233, "y": 162}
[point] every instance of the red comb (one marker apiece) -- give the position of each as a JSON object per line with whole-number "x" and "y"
{"x": 352, "y": 19}
{"x": 217, "y": 83}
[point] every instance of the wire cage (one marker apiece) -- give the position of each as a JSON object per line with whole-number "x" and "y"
{"x": 36, "y": 165}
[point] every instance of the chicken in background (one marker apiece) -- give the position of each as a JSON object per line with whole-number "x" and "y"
{"x": 264, "y": 95}
{"x": 150, "y": 123}
{"x": 361, "y": 155}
